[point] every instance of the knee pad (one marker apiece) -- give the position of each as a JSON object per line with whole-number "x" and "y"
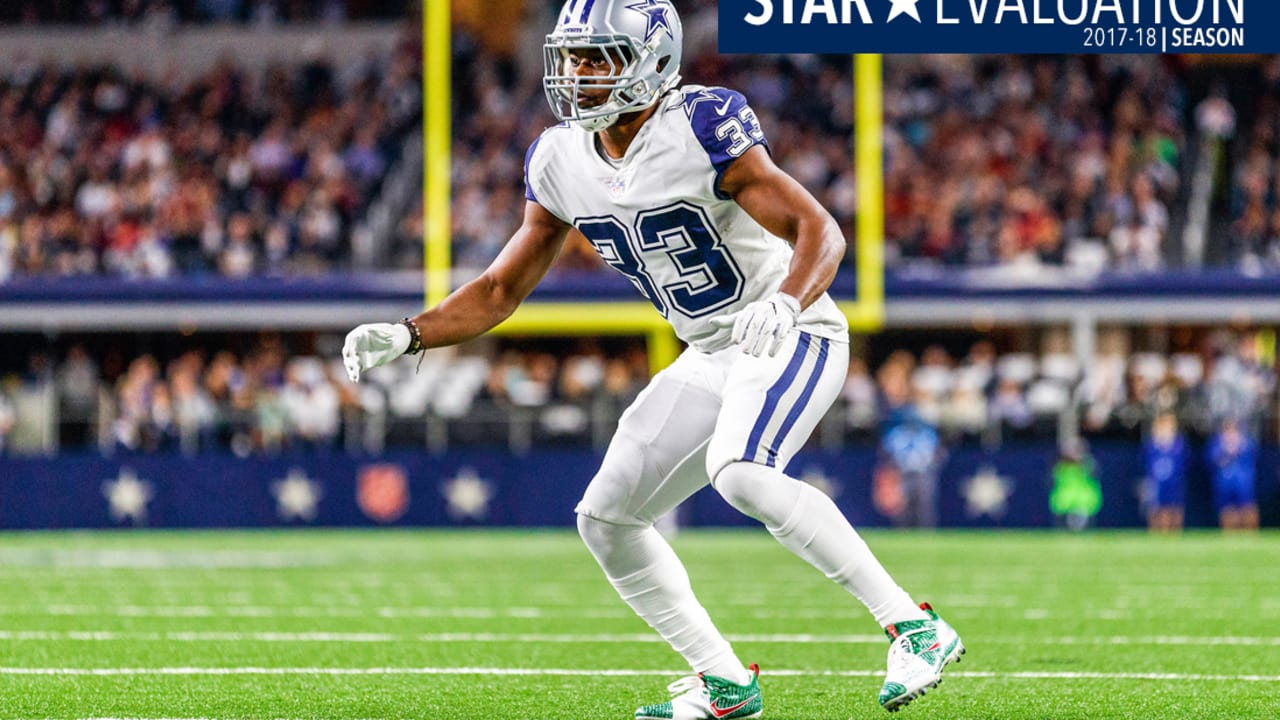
{"x": 763, "y": 493}
{"x": 621, "y": 550}
{"x": 743, "y": 485}
{"x": 596, "y": 533}
{"x": 604, "y": 538}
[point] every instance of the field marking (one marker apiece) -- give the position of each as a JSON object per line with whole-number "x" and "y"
{"x": 313, "y": 611}
{"x": 571, "y": 672}
{"x": 162, "y": 559}
{"x": 482, "y": 613}
{"x": 781, "y": 638}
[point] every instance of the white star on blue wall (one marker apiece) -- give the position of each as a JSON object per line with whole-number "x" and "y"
{"x": 987, "y": 493}
{"x": 127, "y": 496}
{"x": 656, "y": 10}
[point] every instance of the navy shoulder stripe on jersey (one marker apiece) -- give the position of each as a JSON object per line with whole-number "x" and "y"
{"x": 725, "y": 126}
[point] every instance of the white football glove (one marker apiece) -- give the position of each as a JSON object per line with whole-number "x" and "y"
{"x": 369, "y": 346}
{"x": 762, "y": 325}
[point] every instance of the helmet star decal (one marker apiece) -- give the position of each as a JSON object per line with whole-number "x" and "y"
{"x": 656, "y": 11}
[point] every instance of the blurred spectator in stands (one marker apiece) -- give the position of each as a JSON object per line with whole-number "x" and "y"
{"x": 582, "y": 373}
{"x": 8, "y": 418}
{"x": 1239, "y": 382}
{"x": 931, "y": 381}
{"x": 1233, "y": 460}
{"x": 912, "y": 455}
{"x": 620, "y": 384}
{"x": 980, "y": 365}
{"x": 894, "y": 379}
{"x": 1009, "y": 408}
{"x": 311, "y": 403}
{"x": 1076, "y": 496}
{"x": 1136, "y": 246}
{"x": 132, "y": 429}
{"x": 965, "y": 413}
{"x": 239, "y": 254}
{"x": 194, "y": 410}
{"x": 162, "y": 432}
{"x": 859, "y": 395}
{"x": 1164, "y": 456}
{"x": 77, "y": 384}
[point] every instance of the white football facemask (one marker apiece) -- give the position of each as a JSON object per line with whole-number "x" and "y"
{"x": 640, "y": 40}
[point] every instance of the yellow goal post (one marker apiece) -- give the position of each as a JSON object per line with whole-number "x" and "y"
{"x": 865, "y": 313}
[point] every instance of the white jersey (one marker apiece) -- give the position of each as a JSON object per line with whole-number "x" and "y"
{"x": 658, "y": 216}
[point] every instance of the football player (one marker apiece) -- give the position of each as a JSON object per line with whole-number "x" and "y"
{"x": 675, "y": 188}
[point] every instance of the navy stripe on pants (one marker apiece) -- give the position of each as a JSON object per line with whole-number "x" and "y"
{"x": 774, "y": 395}
{"x": 801, "y": 401}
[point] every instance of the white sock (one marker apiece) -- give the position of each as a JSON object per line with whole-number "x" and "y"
{"x": 810, "y": 525}
{"x": 647, "y": 574}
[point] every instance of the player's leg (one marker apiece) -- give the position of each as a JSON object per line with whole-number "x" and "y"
{"x": 1246, "y": 504}
{"x": 770, "y": 407}
{"x": 1224, "y": 499}
{"x": 637, "y": 483}
{"x": 1161, "y": 520}
{"x": 1249, "y": 518}
{"x": 923, "y": 488}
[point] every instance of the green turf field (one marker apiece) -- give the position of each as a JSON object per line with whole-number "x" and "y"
{"x": 523, "y": 625}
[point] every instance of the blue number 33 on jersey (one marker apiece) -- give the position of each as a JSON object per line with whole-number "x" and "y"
{"x": 698, "y": 274}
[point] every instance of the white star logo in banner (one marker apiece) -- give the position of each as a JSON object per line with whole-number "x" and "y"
{"x": 127, "y": 496}
{"x": 296, "y": 496}
{"x": 986, "y": 493}
{"x": 904, "y": 7}
{"x": 468, "y": 495}
{"x": 816, "y": 477}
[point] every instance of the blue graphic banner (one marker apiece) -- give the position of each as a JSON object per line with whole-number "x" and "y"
{"x": 1008, "y": 487}
{"x": 999, "y": 26}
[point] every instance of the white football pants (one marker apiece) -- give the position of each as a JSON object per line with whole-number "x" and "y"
{"x": 725, "y": 407}
{"x": 734, "y": 420}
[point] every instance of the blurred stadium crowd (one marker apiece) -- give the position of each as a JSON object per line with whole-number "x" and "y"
{"x": 233, "y": 173}
{"x": 274, "y": 396}
{"x": 1083, "y": 162}
{"x": 131, "y": 12}
{"x": 270, "y": 397}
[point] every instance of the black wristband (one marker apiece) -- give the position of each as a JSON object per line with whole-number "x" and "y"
{"x": 415, "y": 337}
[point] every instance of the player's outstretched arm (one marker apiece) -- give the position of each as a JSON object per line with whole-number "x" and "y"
{"x": 783, "y": 207}
{"x": 472, "y": 309}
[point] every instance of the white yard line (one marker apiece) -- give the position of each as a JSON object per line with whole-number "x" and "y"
{"x": 779, "y": 638}
{"x": 160, "y": 559}
{"x": 572, "y": 672}
{"x": 311, "y": 611}
{"x": 464, "y": 612}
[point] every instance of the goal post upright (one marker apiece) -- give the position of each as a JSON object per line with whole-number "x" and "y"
{"x": 866, "y": 313}
{"x": 437, "y": 92}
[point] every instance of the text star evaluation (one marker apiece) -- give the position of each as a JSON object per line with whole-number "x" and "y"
{"x": 1023, "y": 12}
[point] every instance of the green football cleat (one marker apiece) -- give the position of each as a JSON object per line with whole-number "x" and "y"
{"x": 707, "y": 697}
{"x": 921, "y": 649}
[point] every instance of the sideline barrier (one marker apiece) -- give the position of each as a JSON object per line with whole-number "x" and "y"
{"x": 494, "y": 488}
